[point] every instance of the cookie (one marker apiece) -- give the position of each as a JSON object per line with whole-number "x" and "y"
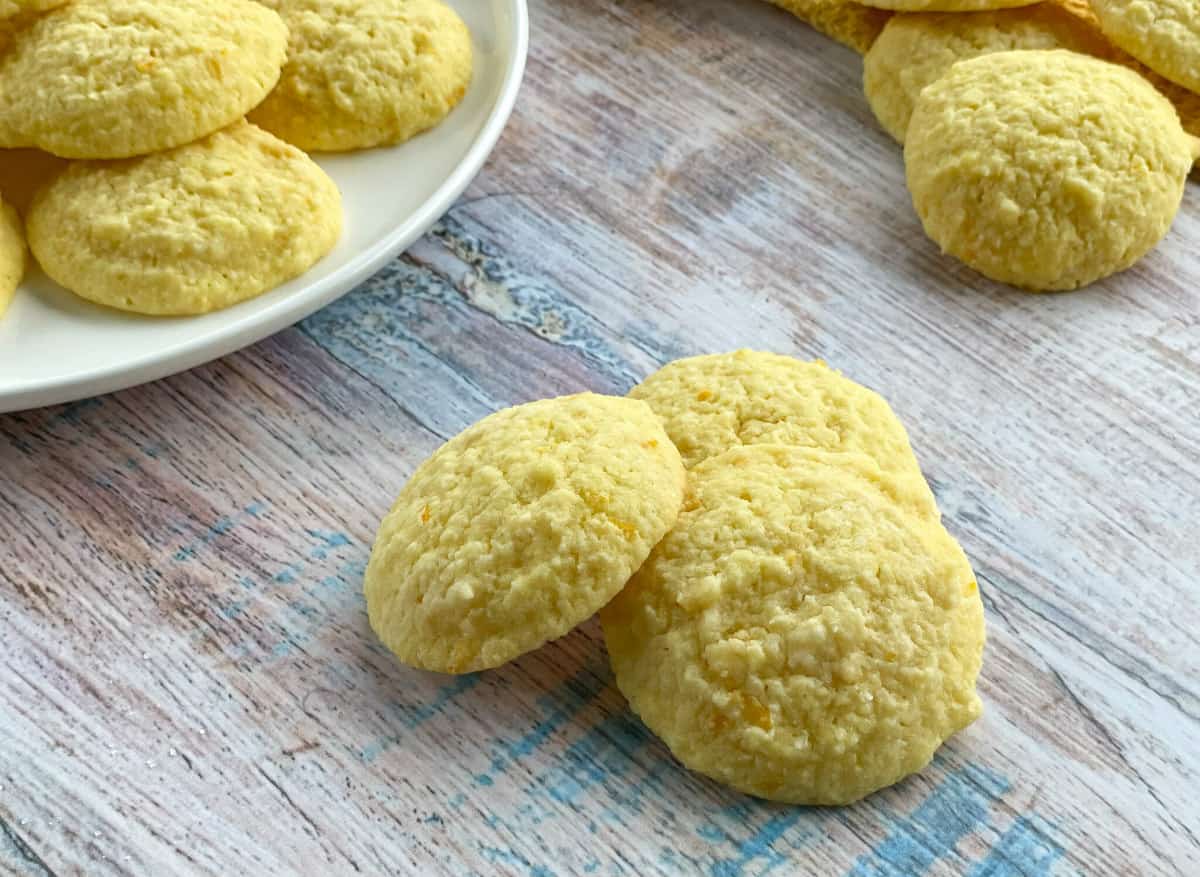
{"x": 190, "y": 230}
{"x": 851, "y": 24}
{"x": 23, "y": 172}
{"x": 797, "y": 635}
{"x": 364, "y": 73}
{"x": 710, "y": 404}
{"x": 12, "y": 254}
{"x": 915, "y": 50}
{"x": 119, "y": 78}
{"x": 519, "y": 528}
{"x": 947, "y": 5}
{"x": 1162, "y": 34}
{"x": 1047, "y": 170}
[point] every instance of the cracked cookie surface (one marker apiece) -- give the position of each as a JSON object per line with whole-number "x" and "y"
{"x": 798, "y": 635}
{"x": 1047, "y": 170}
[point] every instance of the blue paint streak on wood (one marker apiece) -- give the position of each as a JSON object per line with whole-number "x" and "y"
{"x": 373, "y": 330}
{"x": 73, "y": 412}
{"x": 663, "y": 347}
{"x": 558, "y": 706}
{"x": 762, "y": 845}
{"x": 415, "y": 716}
{"x": 604, "y": 751}
{"x": 511, "y": 858}
{"x": 1026, "y": 849}
{"x": 958, "y": 805}
{"x": 222, "y": 526}
{"x": 328, "y": 540}
{"x": 16, "y": 857}
{"x": 530, "y": 302}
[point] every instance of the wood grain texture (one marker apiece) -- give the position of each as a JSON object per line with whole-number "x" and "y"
{"x": 187, "y": 681}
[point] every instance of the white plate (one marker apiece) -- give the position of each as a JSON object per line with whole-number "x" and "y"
{"x": 55, "y": 347}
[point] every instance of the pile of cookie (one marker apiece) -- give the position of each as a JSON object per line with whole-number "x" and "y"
{"x": 156, "y": 147}
{"x": 1046, "y": 145}
{"x": 779, "y": 598}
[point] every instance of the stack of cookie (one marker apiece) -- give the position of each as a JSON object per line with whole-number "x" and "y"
{"x": 1006, "y": 192}
{"x": 126, "y": 143}
{"x": 780, "y": 600}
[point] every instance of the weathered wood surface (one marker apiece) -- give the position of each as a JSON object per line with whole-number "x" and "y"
{"x": 187, "y": 681}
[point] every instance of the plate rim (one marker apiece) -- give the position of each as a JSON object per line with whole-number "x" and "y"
{"x": 292, "y": 309}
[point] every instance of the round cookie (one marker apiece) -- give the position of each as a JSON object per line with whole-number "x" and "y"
{"x": 364, "y": 73}
{"x": 23, "y": 172}
{"x": 1162, "y": 34}
{"x": 1045, "y": 170}
{"x": 710, "y": 404}
{"x": 12, "y": 254}
{"x": 519, "y": 528}
{"x": 947, "y": 5}
{"x": 108, "y": 79}
{"x": 797, "y": 635}
{"x": 187, "y": 231}
{"x": 915, "y": 50}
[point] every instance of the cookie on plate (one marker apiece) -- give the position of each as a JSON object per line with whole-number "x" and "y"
{"x": 1162, "y": 34}
{"x": 797, "y": 634}
{"x": 12, "y": 254}
{"x": 23, "y": 172}
{"x": 519, "y": 528}
{"x": 364, "y": 73}
{"x": 1047, "y": 170}
{"x": 915, "y": 50}
{"x": 712, "y": 403}
{"x": 119, "y": 78}
{"x": 187, "y": 231}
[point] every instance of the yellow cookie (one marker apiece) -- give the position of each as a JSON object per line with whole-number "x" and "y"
{"x": 798, "y": 635}
{"x": 23, "y": 172}
{"x": 364, "y": 73}
{"x": 519, "y": 528}
{"x": 851, "y": 24}
{"x": 1162, "y": 34}
{"x": 710, "y": 404}
{"x": 1046, "y": 170}
{"x": 12, "y": 254}
{"x": 118, "y": 78}
{"x": 192, "y": 230}
{"x": 947, "y": 5}
{"x": 915, "y": 50}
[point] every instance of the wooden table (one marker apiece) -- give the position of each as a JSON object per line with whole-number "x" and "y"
{"x": 187, "y": 681}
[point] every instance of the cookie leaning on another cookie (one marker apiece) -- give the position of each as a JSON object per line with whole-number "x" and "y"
{"x": 519, "y": 528}
{"x": 190, "y": 230}
{"x": 797, "y": 634}
{"x": 119, "y": 78}
{"x": 364, "y": 73}
{"x": 13, "y": 255}
{"x": 1045, "y": 170}
{"x": 712, "y": 403}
